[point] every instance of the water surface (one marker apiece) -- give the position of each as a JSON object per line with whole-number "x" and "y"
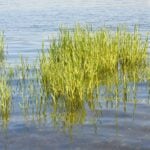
{"x": 25, "y": 24}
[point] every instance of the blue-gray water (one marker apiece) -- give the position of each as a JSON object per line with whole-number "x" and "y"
{"x": 25, "y": 24}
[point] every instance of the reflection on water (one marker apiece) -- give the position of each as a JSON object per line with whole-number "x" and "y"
{"x": 98, "y": 123}
{"x": 64, "y": 115}
{"x": 101, "y": 121}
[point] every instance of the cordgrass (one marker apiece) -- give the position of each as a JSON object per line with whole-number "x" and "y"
{"x": 5, "y": 101}
{"x": 79, "y": 66}
{"x": 5, "y": 89}
{"x": 80, "y": 61}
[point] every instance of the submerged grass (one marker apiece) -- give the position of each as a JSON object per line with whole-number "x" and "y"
{"x": 5, "y": 90}
{"x": 5, "y": 101}
{"x": 81, "y": 61}
{"x": 79, "y": 67}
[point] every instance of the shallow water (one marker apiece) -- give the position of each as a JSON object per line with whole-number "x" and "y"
{"x": 25, "y": 24}
{"x": 113, "y": 130}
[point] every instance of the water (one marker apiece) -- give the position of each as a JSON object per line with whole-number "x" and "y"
{"x": 25, "y": 24}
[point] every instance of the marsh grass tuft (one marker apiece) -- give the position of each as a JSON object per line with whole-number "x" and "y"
{"x": 80, "y": 67}
{"x": 82, "y": 60}
{"x": 5, "y": 101}
{"x": 5, "y": 90}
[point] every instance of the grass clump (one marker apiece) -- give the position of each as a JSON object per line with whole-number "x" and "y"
{"x": 5, "y": 101}
{"x": 82, "y": 60}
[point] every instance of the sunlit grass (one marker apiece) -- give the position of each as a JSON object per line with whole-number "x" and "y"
{"x": 5, "y": 101}
{"x": 81, "y": 61}
{"x": 5, "y": 89}
{"x": 70, "y": 77}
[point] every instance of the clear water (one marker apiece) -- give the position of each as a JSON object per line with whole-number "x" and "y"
{"x": 25, "y": 24}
